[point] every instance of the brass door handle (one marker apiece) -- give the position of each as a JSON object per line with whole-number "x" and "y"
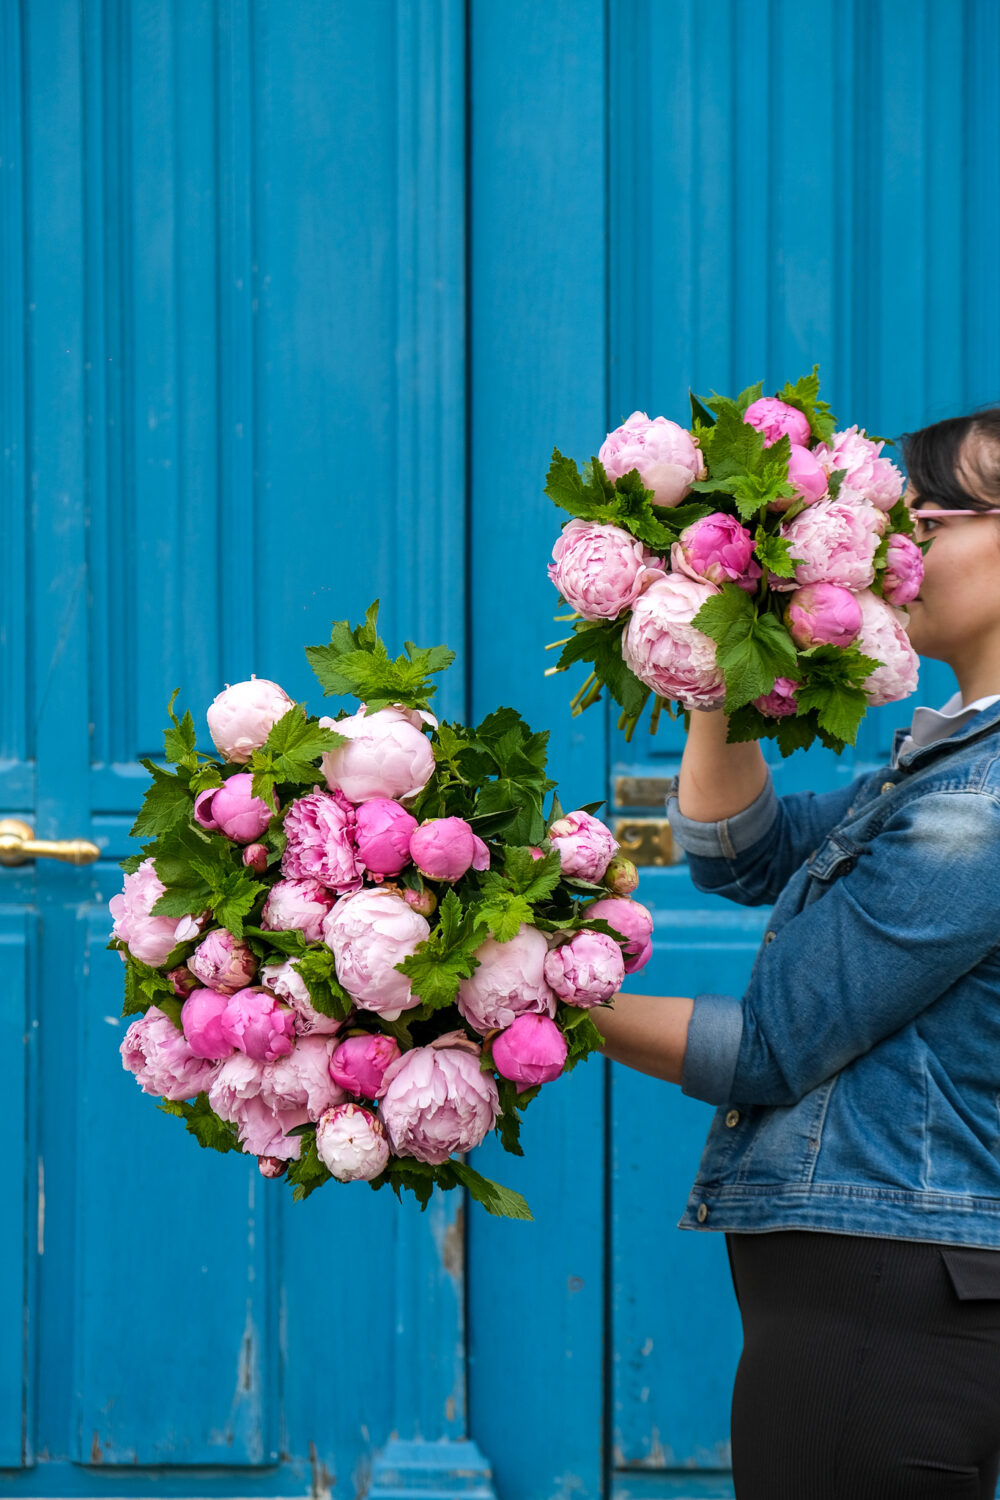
{"x": 18, "y": 843}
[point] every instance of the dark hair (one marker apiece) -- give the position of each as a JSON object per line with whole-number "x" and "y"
{"x": 931, "y": 456}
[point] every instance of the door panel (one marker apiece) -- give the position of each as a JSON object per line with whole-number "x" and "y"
{"x": 18, "y": 1194}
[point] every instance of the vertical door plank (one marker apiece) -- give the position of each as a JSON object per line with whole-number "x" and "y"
{"x": 18, "y": 1244}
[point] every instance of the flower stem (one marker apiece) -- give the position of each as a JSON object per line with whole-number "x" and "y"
{"x": 577, "y": 696}
{"x": 553, "y": 644}
{"x": 654, "y": 717}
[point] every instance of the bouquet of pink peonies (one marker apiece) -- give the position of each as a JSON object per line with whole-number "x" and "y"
{"x": 355, "y": 945}
{"x": 759, "y": 562}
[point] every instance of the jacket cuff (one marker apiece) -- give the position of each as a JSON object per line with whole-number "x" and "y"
{"x": 730, "y": 836}
{"x": 713, "y": 1046}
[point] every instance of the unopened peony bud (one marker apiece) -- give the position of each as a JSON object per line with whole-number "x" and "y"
{"x": 233, "y": 810}
{"x": 351, "y": 1143}
{"x": 423, "y": 902}
{"x": 383, "y": 829}
{"x": 780, "y": 702}
{"x": 904, "y": 571}
{"x": 532, "y": 1050}
{"x": 242, "y": 716}
{"x": 359, "y": 1063}
{"x": 586, "y": 845}
{"x": 445, "y": 848}
{"x": 223, "y": 962}
{"x": 773, "y": 418}
{"x": 201, "y": 1020}
{"x": 621, "y": 877}
{"x": 805, "y": 476}
{"x": 633, "y": 921}
{"x": 823, "y": 614}
{"x": 587, "y": 970}
{"x": 254, "y": 1022}
{"x": 182, "y": 980}
{"x": 271, "y": 1166}
{"x": 255, "y": 858}
{"x": 666, "y": 456}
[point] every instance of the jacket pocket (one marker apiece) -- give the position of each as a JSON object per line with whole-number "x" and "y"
{"x": 834, "y": 857}
{"x": 974, "y": 1273}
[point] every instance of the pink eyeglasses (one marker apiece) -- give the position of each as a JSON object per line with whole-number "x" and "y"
{"x": 935, "y": 515}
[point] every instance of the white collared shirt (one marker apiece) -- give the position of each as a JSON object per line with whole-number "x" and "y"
{"x": 931, "y": 724}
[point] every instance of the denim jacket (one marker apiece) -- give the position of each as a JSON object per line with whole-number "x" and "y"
{"x": 858, "y": 1078}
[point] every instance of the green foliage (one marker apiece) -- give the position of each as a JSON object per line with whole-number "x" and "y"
{"x": 203, "y": 871}
{"x": 773, "y": 553}
{"x": 582, "y": 1035}
{"x": 167, "y": 803}
{"x": 144, "y": 987}
{"x": 601, "y": 644}
{"x": 754, "y": 648}
{"x": 447, "y": 956}
{"x": 901, "y": 519}
{"x": 178, "y": 740}
{"x": 833, "y": 688}
{"x": 203, "y": 1123}
{"x": 740, "y": 465}
{"x": 804, "y": 396}
{"x": 500, "y": 1201}
{"x": 357, "y": 662}
{"x": 509, "y": 897}
{"x": 289, "y": 943}
{"x": 317, "y": 969}
{"x": 308, "y": 1172}
{"x": 505, "y": 749}
{"x": 290, "y": 754}
{"x": 625, "y": 503}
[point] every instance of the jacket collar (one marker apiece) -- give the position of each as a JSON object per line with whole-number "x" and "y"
{"x": 984, "y": 721}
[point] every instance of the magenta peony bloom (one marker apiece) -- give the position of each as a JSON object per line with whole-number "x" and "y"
{"x": 255, "y": 858}
{"x": 664, "y": 649}
{"x": 587, "y": 970}
{"x": 351, "y": 1142}
{"x": 601, "y": 570}
{"x": 774, "y": 418}
{"x": 834, "y": 542}
{"x": 436, "y": 1100}
{"x": 509, "y": 981}
{"x": 884, "y": 636}
{"x": 822, "y": 614}
{"x": 586, "y": 846}
{"x": 299, "y": 904}
{"x": 635, "y": 923}
{"x": 667, "y": 457}
{"x": 301, "y": 1079}
{"x": 780, "y": 702}
{"x": 242, "y": 716}
{"x": 387, "y": 755}
{"x": 233, "y": 810}
{"x": 904, "y": 571}
{"x": 320, "y": 832}
{"x": 445, "y": 848}
{"x": 255, "y": 1023}
{"x": 382, "y": 833}
{"x": 284, "y": 980}
{"x": 149, "y": 939}
{"x": 162, "y": 1060}
{"x": 718, "y": 550}
{"x": 359, "y": 1063}
{"x": 370, "y": 933}
{"x": 868, "y": 476}
{"x": 532, "y": 1050}
{"x": 621, "y": 877}
{"x": 201, "y": 1019}
{"x": 806, "y": 477}
{"x": 223, "y": 962}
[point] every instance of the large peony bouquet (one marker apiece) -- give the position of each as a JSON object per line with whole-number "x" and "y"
{"x": 354, "y": 946}
{"x": 759, "y": 562}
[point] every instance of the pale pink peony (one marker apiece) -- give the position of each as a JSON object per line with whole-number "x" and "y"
{"x": 233, "y": 810}
{"x": 369, "y": 934}
{"x": 297, "y": 904}
{"x": 149, "y": 939}
{"x": 242, "y": 716}
{"x": 532, "y": 1050}
{"x": 445, "y": 848}
{"x": 509, "y": 981}
{"x": 868, "y": 476}
{"x": 382, "y": 832}
{"x": 884, "y": 637}
{"x": 716, "y": 549}
{"x": 263, "y": 1132}
{"x": 586, "y": 846}
{"x": 666, "y": 456}
{"x": 387, "y": 755}
{"x": 162, "y": 1059}
{"x": 664, "y": 649}
{"x": 351, "y": 1142}
{"x": 774, "y": 418}
{"x": 436, "y": 1100}
{"x": 237, "y": 1079}
{"x": 301, "y": 1079}
{"x": 222, "y": 962}
{"x": 633, "y": 921}
{"x": 201, "y": 1019}
{"x": 780, "y": 702}
{"x": 587, "y": 970}
{"x": 359, "y": 1063}
{"x": 806, "y": 476}
{"x": 320, "y": 832}
{"x": 257, "y": 1024}
{"x": 601, "y": 570}
{"x": 822, "y": 614}
{"x": 834, "y": 542}
{"x": 284, "y": 980}
{"x": 904, "y": 571}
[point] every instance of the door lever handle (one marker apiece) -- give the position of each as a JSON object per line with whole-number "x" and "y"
{"x": 18, "y": 844}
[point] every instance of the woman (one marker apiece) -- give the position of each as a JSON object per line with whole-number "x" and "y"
{"x": 854, "y": 1159}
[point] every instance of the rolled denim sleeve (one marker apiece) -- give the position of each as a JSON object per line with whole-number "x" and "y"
{"x": 713, "y": 1047}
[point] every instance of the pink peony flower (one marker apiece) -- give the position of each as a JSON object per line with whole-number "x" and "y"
{"x": 425, "y": 901}
{"x": 883, "y": 636}
{"x": 586, "y": 846}
{"x": 666, "y": 456}
{"x": 223, "y": 962}
{"x": 233, "y": 810}
{"x": 716, "y": 549}
{"x": 835, "y": 542}
{"x": 821, "y": 614}
{"x": 201, "y": 1019}
{"x": 780, "y": 702}
{"x": 298, "y": 904}
{"x": 182, "y": 980}
{"x": 264, "y": 1133}
{"x": 510, "y": 980}
{"x": 774, "y": 418}
{"x": 601, "y": 570}
{"x": 633, "y": 921}
{"x": 360, "y": 1062}
{"x": 445, "y": 848}
{"x": 436, "y": 1100}
{"x": 369, "y": 934}
{"x": 162, "y": 1060}
{"x": 382, "y": 833}
{"x": 284, "y": 980}
{"x": 621, "y": 877}
{"x": 255, "y": 858}
{"x": 387, "y": 755}
{"x": 149, "y": 939}
{"x": 587, "y": 970}
{"x": 664, "y": 649}
{"x": 271, "y": 1166}
{"x": 242, "y": 716}
{"x": 532, "y": 1050}
{"x": 255, "y": 1023}
{"x": 805, "y": 476}
{"x": 320, "y": 832}
{"x": 301, "y": 1079}
{"x": 351, "y": 1143}
{"x": 868, "y": 476}
{"x": 237, "y": 1079}
{"x": 904, "y": 571}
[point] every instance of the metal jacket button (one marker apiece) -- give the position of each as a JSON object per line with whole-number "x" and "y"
{"x": 702, "y": 1212}
{"x": 769, "y": 937}
{"x": 887, "y": 786}
{"x": 733, "y": 1118}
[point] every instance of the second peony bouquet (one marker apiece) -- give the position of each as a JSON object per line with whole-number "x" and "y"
{"x": 759, "y": 561}
{"x": 354, "y": 946}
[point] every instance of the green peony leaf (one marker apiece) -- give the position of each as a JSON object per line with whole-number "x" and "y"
{"x": 203, "y": 1123}
{"x": 501, "y": 1201}
{"x": 167, "y": 803}
{"x": 317, "y": 969}
{"x": 752, "y": 650}
{"x": 357, "y": 662}
{"x": 774, "y": 555}
{"x": 440, "y": 963}
{"x": 308, "y": 1172}
{"x": 804, "y": 396}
